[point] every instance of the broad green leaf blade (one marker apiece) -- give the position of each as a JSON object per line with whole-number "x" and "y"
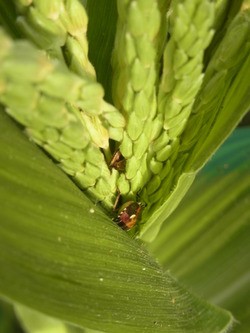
{"x": 206, "y": 241}
{"x": 62, "y": 256}
{"x": 229, "y": 274}
{"x": 101, "y": 34}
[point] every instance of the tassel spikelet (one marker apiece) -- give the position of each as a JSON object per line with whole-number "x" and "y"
{"x": 157, "y": 105}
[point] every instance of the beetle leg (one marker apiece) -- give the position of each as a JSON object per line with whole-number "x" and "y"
{"x": 116, "y": 203}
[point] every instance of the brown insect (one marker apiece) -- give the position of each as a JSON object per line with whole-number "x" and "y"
{"x": 128, "y": 213}
{"x": 118, "y": 162}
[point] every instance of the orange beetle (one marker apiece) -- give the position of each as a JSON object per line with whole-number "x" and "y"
{"x": 128, "y": 214}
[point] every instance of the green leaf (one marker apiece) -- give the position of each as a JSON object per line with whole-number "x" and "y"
{"x": 101, "y": 34}
{"x": 35, "y": 322}
{"x": 154, "y": 223}
{"x": 225, "y": 11}
{"x": 238, "y": 99}
{"x": 62, "y": 256}
{"x": 8, "y": 18}
{"x": 8, "y": 321}
{"x": 205, "y": 242}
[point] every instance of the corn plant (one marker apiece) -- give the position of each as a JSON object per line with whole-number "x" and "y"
{"x": 108, "y": 112}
